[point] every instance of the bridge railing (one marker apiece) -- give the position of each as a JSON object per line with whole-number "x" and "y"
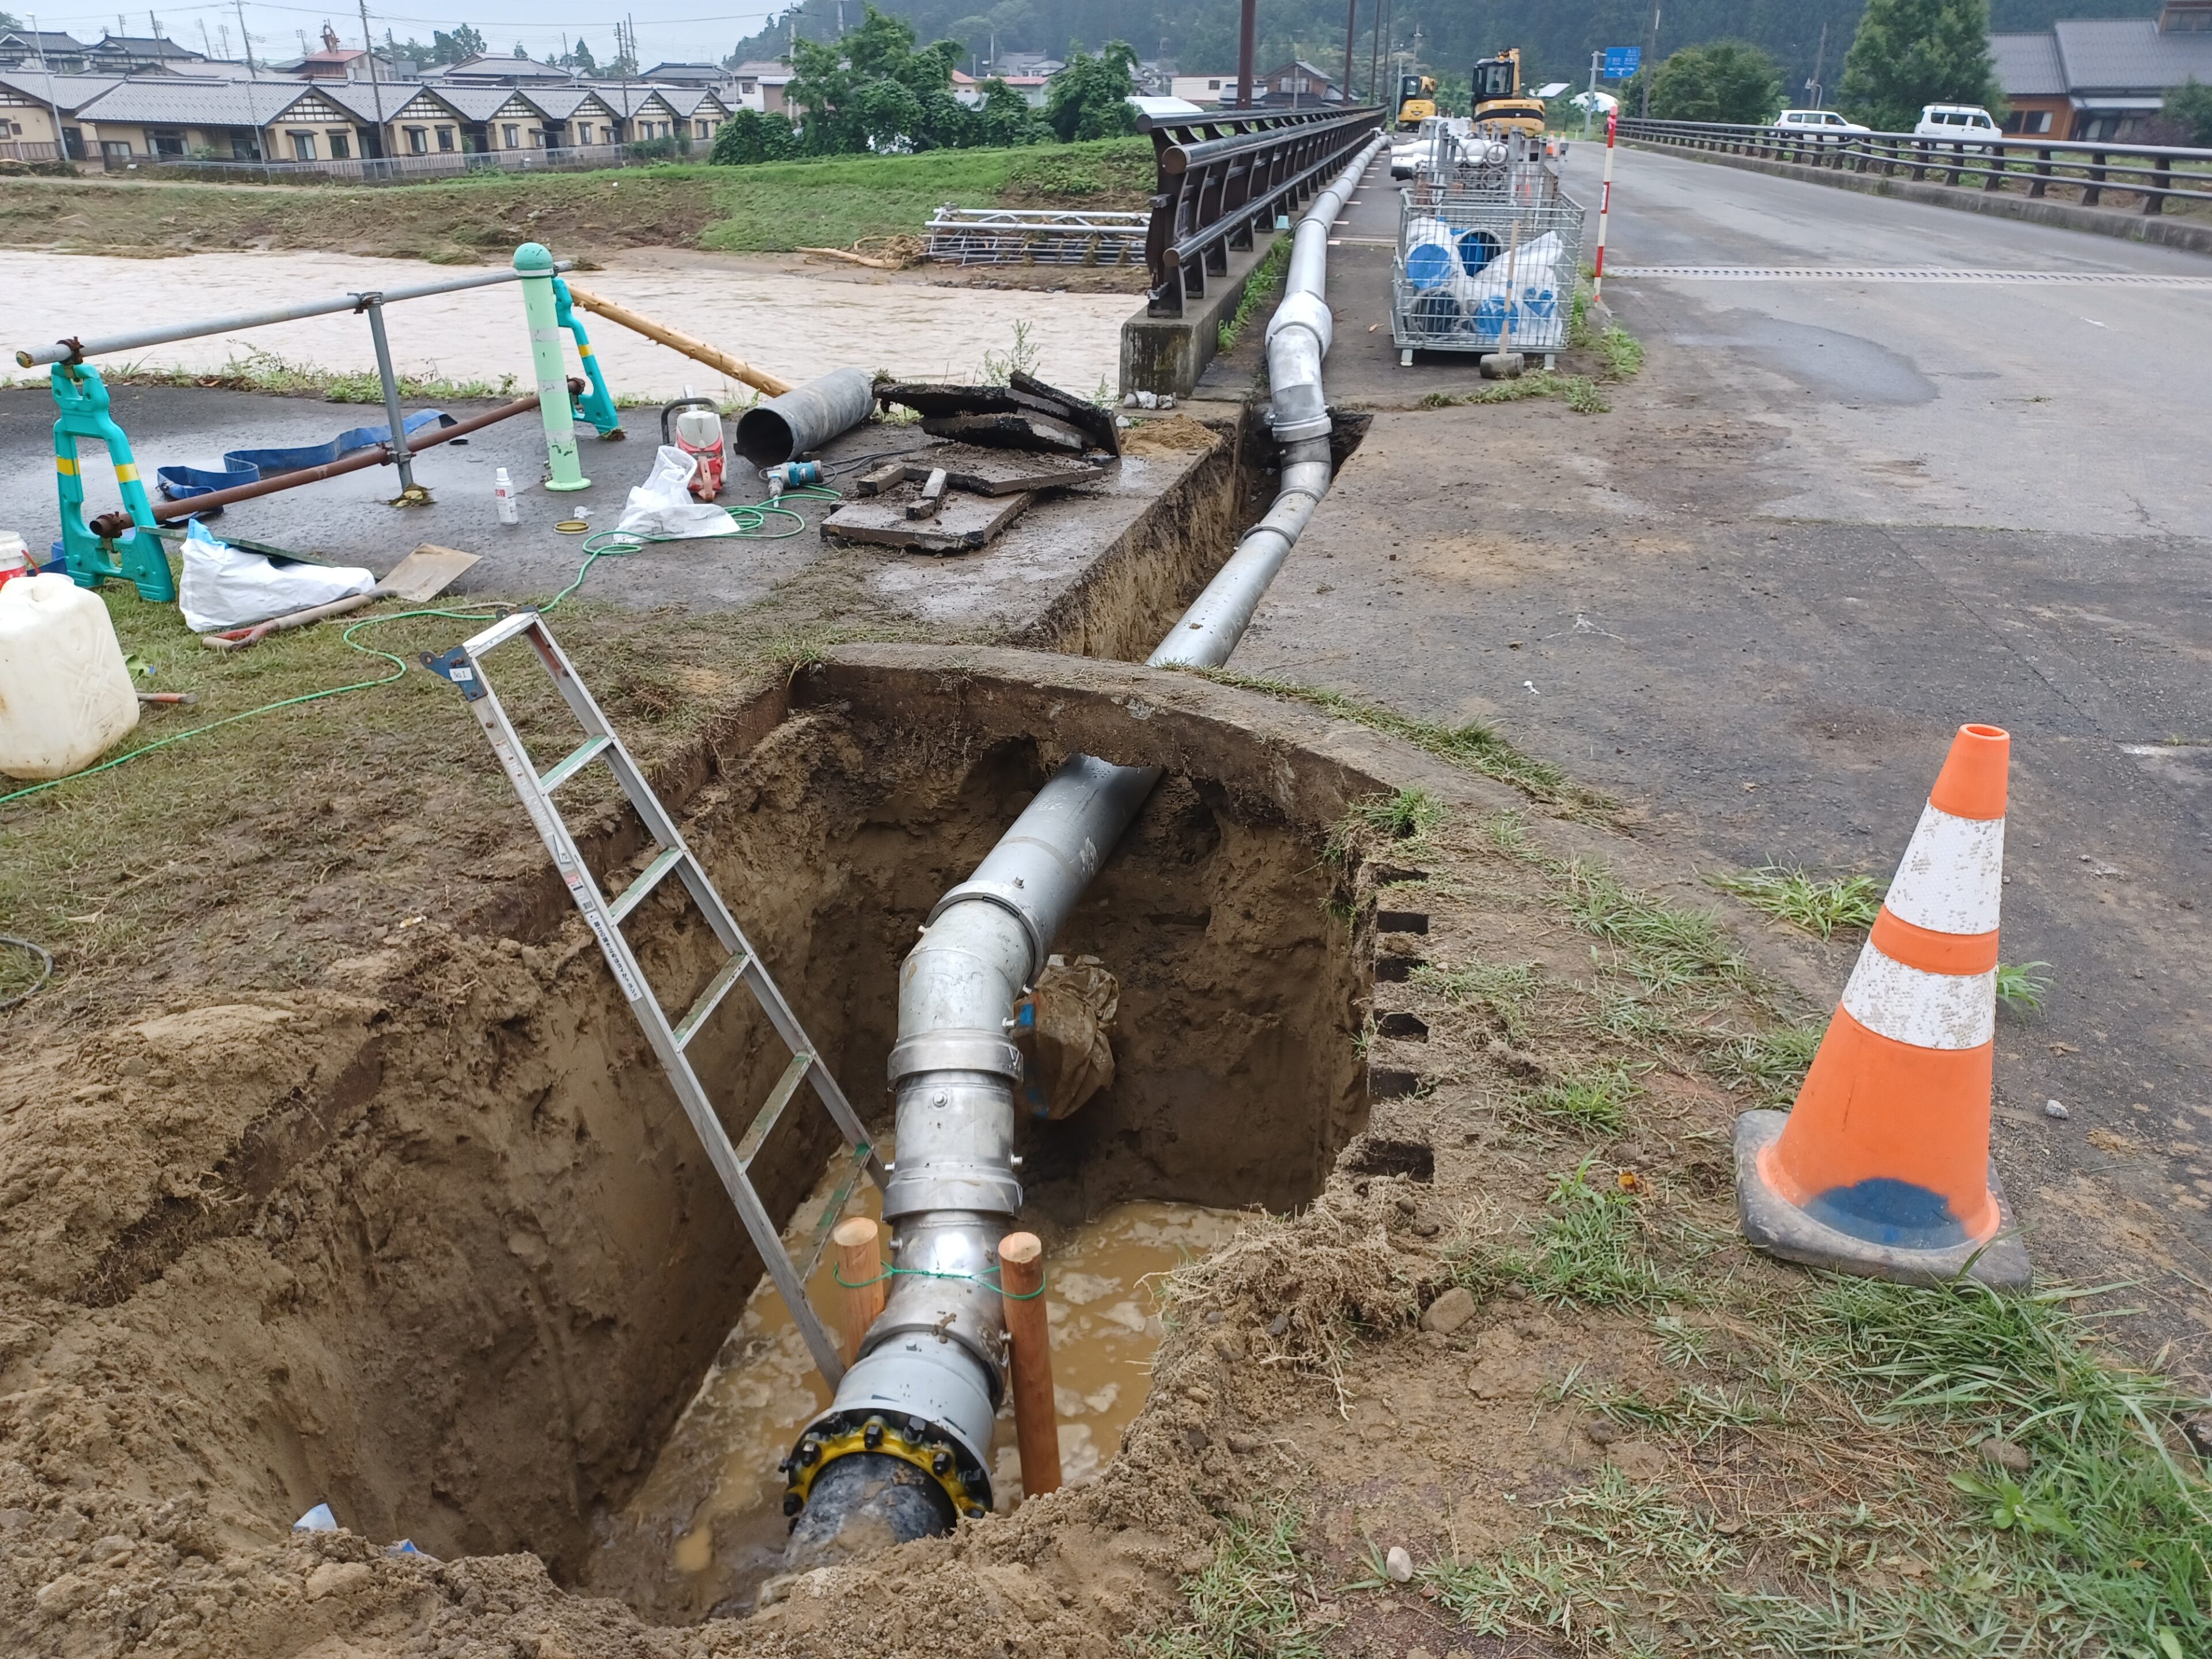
{"x": 1222, "y": 176}
{"x": 2082, "y": 170}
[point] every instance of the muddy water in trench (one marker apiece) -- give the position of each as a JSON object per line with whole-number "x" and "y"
{"x": 708, "y": 1527}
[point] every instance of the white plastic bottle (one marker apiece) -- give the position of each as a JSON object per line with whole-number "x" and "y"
{"x": 502, "y": 492}
{"x": 65, "y": 692}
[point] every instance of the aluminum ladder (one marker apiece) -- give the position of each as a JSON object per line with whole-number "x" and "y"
{"x": 463, "y": 665}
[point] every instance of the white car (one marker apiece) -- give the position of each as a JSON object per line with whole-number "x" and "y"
{"x": 1957, "y": 122}
{"x": 1822, "y": 124}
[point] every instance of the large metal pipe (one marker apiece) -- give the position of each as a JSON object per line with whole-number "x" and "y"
{"x": 930, "y": 1376}
{"x": 76, "y": 350}
{"x": 806, "y": 418}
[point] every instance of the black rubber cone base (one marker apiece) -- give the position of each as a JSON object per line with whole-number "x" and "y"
{"x": 1779, "y": 1227}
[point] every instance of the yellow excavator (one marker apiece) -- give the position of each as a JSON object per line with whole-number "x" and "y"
{"x": 1417, "y": 100}
{"x": 1499, "y": 104}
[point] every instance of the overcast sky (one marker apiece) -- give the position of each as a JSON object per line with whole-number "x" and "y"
{"x": 675, "y": 29}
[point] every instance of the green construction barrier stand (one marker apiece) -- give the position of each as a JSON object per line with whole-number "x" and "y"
{"x": 534, "y": 262}
{"x": 81, "y": 398}
{"x": 597, "y": 405}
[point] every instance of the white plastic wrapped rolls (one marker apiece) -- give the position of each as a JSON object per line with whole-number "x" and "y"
{"x": 1432, "y": 253}
{"x": 1523, "y": 285}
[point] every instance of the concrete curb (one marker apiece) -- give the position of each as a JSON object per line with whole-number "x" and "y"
{"x": 2193, "y": 235}
{"x": 1779, "y": 1228}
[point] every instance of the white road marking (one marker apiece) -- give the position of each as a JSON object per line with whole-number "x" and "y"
{"x": 1893, "y": 274}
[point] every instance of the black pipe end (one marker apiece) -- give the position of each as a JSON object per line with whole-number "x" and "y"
{"x": 862, "y": 1504}
{"x": 764, "y": 437}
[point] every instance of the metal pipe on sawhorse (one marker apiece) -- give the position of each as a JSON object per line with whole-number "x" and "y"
{"x": 76, "y": 350}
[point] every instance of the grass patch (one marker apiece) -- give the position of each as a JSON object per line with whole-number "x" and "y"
{"x": 1594, "y": 1101}
{"x": 1817, "y": 904}
{"x": 1771, "y": 1063}
{"x": 1476, "y": 747}
{"x": 267, "y": 372}
{"x": 1663, "y": 945}
{"x": 2021, "y": 986}
{"x": 1507, "y": 989}
{"x": 1406, "y": 816}
{"x": 1620, "y": 354}
{"x": 2100, "y": 1548}
{"x": 1579, "y": 392}
{"x": 828, "y": 202}
{"x": 1260, "y": 288}
{"x": 1243, "y": 1605}
{"x": 1588, "y": 1248}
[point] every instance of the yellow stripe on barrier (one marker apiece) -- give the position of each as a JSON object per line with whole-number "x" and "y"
{"x": 584, "y": 350}
{"x": 127, "y": 473}
{"x": 66, "y": 465}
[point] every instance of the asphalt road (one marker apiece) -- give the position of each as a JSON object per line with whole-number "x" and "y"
{"x": 1832, "y": 520}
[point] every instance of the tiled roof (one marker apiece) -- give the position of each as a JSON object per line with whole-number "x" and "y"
{"x": 70, "y": 92}
{"x": 2028, "y": 65}
{"x": 2128, "y": 54}
{"x": 179, "y": 102}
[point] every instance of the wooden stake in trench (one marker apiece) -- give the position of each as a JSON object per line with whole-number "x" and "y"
{"x": 859, "y": 1267}
{"x": 736, "y": 368}
{"x": 1037, "y": 1422}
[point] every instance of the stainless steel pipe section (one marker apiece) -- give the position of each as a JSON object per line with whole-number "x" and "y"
{"x": 806, "y": 418}
{"x": 938, "y": 1349}
{"x": 75, "y": 351}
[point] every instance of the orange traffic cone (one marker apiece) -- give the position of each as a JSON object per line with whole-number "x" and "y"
{"x": 1882, "y": 1168}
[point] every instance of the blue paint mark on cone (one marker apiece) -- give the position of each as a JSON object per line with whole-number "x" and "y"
{"x": 1883, "y": 1211}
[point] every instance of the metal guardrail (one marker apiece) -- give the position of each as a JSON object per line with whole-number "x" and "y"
{"x": 1222, "y": 176}
{"x": 2032, "y": 165}
{"x": 1035, "y": 236}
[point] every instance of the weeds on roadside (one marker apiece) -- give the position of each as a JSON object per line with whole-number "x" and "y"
{"x": 1819, "y": 905}
{"x": 261, "y": 370}
{"x": 2021, "y": 986}
{"x": 1772, "y": 1062}
{"x": 1620, "y": 353}
{"x": 1020, "y": 358}
{"x": 1476, "y": 747}
{"x": 1594, "y": 1101}
{"x": 1663, "y": 945}
{"x": 1507, "y": 989}
{"x": 1579, "y": 391}
{"x": 1261, "y": 287}
{"x": 1406, "y": 816}
{"x": 1585, "y": 1251}
{"x": 1243, "y": 1605}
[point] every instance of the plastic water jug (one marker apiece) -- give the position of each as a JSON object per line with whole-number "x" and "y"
{"x": 65, "y": 693}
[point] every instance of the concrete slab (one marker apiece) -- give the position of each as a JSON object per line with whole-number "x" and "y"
{"x": 1003, "y": 591}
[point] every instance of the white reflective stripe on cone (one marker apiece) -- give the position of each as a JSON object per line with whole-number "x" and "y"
{"x": 1928, "y": 1011}
{"x": 1952, "y": 876}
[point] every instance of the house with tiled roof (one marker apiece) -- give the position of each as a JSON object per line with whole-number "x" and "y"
{"x": 2085, "y": 79}
{"x": 48, "y": 49}
{"x": 29, "y": 101}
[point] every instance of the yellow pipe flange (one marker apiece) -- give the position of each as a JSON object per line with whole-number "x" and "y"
{"x": 892, "y": 1443}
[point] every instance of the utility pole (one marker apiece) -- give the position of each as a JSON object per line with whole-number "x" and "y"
{"x": 1374, "y": 54}
{"x": 1351, "y": 33}
{"x": 1389, "y": 68}
{"x": 375, "y": 86}
{"x": 61, "y": 144}
{"x": 1247, "y": 29}
{"x": 252, "y": 105}
{"x": 1814, "y": 90}
{"x": 1596, "y": 58}
{"x": 1649, "y": 67}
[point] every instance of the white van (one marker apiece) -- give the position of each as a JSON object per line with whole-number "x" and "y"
{"x": 1823, "y": 124}
{"x": 1957, "y": 121}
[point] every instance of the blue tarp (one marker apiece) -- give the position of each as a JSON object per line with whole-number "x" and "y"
{"x": 245, "y": 466}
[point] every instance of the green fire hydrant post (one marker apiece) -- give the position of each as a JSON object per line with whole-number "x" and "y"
{"x": 535, "y": 264}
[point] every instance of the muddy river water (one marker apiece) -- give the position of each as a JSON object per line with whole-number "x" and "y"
{"x": 796, "y": 323}
{"x": 706, "y": 1527}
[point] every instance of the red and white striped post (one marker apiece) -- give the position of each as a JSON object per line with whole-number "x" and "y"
{"x": 1604, "y": 207}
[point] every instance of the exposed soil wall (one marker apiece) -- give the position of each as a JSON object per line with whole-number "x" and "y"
{"x": 433, "y": 1242}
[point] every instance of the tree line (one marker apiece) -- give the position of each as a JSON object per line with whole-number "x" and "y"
{"x": 877, "y": 92}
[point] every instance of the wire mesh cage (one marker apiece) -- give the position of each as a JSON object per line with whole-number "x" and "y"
{"x": 989, "y": 236}
{"x": 1478, "y": 267}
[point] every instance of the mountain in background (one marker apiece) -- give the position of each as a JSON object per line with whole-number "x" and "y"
{"x": 1556, "y": 37}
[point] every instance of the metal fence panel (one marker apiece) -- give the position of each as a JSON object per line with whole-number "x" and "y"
{"x": 1039, "y": 236}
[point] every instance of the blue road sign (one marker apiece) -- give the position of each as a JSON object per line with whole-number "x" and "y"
{"x": 1621, "y": 62}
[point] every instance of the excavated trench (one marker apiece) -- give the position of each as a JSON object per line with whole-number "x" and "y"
{"x": 458, "y": 1264}
{"x": 510, "y": 1264}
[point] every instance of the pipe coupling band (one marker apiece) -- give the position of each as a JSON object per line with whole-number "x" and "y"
{"x": 992, "y": 892}
{"x": 981, "y": 1189}
{"x": 955, "y": 1051}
